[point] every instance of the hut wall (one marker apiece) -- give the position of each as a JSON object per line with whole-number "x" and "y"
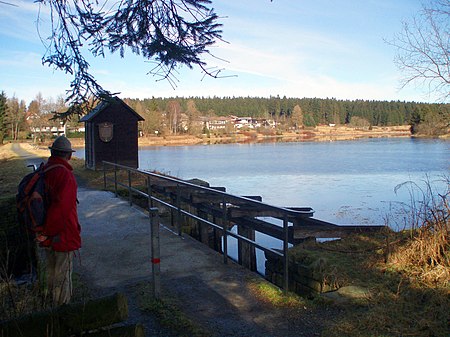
{"x": 123, "y": 147}
{"x": 89, "y": 148}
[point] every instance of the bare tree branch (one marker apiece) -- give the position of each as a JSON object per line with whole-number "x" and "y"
{"x": 423, "y": 48}
{"x": 8, "y": 3}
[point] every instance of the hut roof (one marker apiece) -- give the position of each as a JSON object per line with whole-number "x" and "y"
{"x": 105, "y": 104}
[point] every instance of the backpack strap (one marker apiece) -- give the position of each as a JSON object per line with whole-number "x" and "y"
{"x": 37, "y": 174}
{"x": 52, "y": 167}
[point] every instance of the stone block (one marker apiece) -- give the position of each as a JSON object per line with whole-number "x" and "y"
{"x": 304, "y": 270}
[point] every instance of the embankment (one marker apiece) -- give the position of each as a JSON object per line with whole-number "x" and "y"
{"x": 320, "y": 133}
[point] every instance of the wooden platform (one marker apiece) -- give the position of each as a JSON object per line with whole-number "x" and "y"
{"x": 247, "y": 211}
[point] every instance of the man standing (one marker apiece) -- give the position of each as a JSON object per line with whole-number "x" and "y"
{"x": 61, "y": 231}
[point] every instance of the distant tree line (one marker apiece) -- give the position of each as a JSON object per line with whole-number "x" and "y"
{"x": 429, "y": 119}
{"x": 165, "y": 115}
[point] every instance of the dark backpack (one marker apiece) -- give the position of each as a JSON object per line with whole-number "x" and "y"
{"x": 32, "y": 200}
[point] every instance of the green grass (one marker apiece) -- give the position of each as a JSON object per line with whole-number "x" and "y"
{"x": 271, "y": 294}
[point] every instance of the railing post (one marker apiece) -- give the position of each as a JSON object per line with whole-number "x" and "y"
{"x": 104, "y": 175}
{"x": 130, "y": 195}
{"x": 115, "y": 180}
{"x": 285, "y": 254}
{"x": 149, "y": 193}
{"x": 178, "y": 201}
{"x": 156, "y": 255}
{"x": 224, "y": 231}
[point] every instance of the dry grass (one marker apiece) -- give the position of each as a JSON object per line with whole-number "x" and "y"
{"x": 426, "y": 255}
{"x": 407, "y": 274}
{"x": 12, "y": 169}
{"x": 400, "y": 302}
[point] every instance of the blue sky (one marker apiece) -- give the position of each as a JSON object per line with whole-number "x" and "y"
{"x": 293, "y": 48}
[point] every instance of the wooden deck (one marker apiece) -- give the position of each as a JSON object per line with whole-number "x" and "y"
{"x": 243, "y": 211}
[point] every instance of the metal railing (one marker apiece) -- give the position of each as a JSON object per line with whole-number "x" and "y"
{"x": 224, "y": 200}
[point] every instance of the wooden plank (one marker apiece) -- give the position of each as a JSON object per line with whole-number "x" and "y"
{"x": 260, "y": 226}
{"x": 261, "y": 211}
{"x": 206, "y": 197}
{"x": 320, "y": 224}
{"x": 301, "y": 209}
{"x": 215, "y": 211}
{"x": 190, "y": 194}
{"x": 253, "y": 197}
{"x": 301, "y": 233}
{"x": 238, "y": 212}
{"x": 321, "y": 229}
{"x": 171, "y": 186}
{"x": 246, "y": 251}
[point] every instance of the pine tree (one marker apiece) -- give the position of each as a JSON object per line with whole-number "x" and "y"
{"x": 3, "y": 108}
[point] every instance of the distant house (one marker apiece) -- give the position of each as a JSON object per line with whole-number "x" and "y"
{"x": 269, "y": 123}
{"x": 217, "y": 123}
{"x": 237, "y": 123}
{"x": 50, "y": 130}
{"x": 243, "y": 122}
{"x": 111, "y": 134}
{"x": 43, "y": 125}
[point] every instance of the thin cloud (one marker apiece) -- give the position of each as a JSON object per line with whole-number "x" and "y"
{"x": 24, "y": 60}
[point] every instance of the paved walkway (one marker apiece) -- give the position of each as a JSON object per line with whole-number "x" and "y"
{"x": 116, "y": 257}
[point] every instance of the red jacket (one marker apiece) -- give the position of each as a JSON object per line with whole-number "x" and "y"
{"x": 61, "y": 223}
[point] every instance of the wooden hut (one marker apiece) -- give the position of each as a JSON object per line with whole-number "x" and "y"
{"x": 111, "y": 134}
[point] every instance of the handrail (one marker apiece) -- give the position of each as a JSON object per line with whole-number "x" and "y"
{"x": 287, "y": 211}
{"x": 225, "y": 198}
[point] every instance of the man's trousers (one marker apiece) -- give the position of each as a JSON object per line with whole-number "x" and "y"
{"x": 59, "y": 275}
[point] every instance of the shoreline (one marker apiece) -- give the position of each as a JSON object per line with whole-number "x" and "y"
{"x": 318, "y": 134}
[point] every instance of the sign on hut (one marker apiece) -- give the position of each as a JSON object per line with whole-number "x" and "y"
{"x": 111, "y": 134}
